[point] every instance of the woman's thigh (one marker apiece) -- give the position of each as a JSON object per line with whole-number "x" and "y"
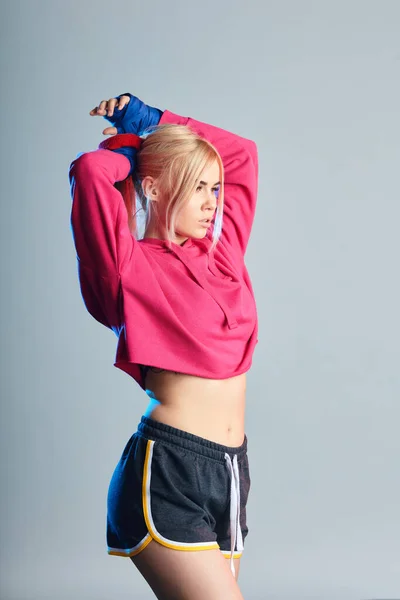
{"x": 179, "y": 575}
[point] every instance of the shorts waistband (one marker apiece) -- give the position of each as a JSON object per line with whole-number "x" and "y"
{"x": 156, "y": 430}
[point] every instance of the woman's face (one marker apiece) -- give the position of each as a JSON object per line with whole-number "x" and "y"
{"x": 202, "y": 205}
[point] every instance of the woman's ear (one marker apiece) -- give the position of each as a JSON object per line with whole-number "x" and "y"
{"x": 149, "y": 187}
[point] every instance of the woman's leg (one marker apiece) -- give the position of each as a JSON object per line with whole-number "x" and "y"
{"x": 179, "y": 575}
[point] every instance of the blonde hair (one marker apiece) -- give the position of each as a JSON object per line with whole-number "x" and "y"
{"x": 175, "y": 156}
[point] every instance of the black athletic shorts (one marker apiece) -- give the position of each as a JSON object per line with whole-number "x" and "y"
{"x": 182, "y": 490}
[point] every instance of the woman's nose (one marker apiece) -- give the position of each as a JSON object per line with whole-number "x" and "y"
{"x": 211, "y": 198}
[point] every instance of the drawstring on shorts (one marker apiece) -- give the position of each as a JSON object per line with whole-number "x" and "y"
{"x": 236, "y": 532}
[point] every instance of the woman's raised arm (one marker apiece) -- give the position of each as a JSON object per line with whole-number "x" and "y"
{"x": 99, "y": 218}
{"x": 239, "y": 155}
{"x": 99, "y": 223}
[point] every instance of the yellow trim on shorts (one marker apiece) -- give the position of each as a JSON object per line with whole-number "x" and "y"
{"x": 227, "y": 554}
{"x": 186, "y": 547}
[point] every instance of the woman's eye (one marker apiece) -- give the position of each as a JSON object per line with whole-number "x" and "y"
{"x": 215, "y": 190}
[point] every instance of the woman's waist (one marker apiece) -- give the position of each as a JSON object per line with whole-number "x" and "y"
{"x": 211, "y": 408}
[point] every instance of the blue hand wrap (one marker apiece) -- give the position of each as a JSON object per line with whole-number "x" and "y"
{"x": 135, "y": 117}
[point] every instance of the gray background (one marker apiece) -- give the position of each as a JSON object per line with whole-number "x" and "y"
{"x": 316, "y": 84}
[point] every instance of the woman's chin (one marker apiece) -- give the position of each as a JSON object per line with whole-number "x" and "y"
{"x": 199, "y": 232}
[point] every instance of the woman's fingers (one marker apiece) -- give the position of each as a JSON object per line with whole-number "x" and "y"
{"x": 123, "y": 101}
{"x": 102, "y": 107}
{"x": 108, "y": 106}
{"x": 110, "y": 131}
{"x": 97, "y": 110}
{"x": 111, "y": 105}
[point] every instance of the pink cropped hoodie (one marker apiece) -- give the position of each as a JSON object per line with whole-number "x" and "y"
{"x": 178, "y": 307}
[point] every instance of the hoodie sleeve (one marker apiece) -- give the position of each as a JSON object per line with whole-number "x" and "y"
{"x": 240, "y": 159}
{"x": 99, "y": 223}
{"x": 99, "y": 218}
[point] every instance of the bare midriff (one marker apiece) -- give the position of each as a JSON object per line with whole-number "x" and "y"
{"x": 210, "y": 408}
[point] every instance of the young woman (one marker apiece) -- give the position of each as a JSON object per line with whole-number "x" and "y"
{"x": 180, "y": 300}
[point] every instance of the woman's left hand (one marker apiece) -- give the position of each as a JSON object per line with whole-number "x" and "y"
{"x": 110, "y": 108}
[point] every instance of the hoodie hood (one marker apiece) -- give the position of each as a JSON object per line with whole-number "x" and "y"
{"x": 187, "y": 253}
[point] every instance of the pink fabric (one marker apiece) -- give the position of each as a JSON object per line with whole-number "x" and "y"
{"x": 181, "y": 308}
